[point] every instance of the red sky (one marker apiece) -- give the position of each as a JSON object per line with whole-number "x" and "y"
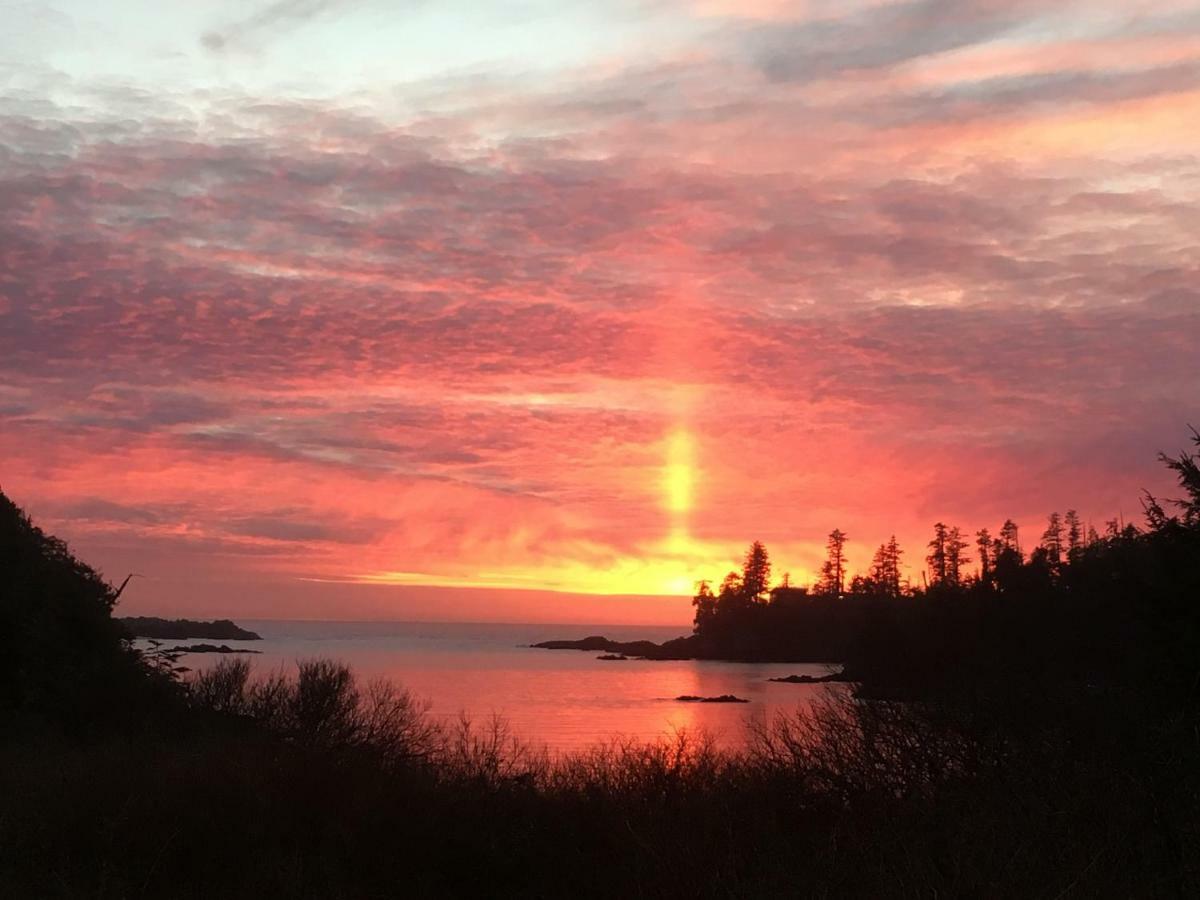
{"x": 293, "y": 341}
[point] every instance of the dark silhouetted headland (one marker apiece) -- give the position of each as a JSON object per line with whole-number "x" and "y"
{"x": 207, "y": 648}
{"x": 183, "y": 629}
{"x": 680, "y": 648}
{"x": 811, "y": 679}
{"x": 722, "y": 698}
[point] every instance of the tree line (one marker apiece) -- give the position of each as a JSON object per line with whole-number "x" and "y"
{"x": 1076, "y": 587}
{"x": 1002, "y": 566}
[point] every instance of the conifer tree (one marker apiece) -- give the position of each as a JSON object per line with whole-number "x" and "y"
{"x": 985, "y": 543}
{"x": 833, "y": 570}
{"x": 1010, "y": 537}
{"x": 731, "y": 595}
{"x": 706, "y": 606}
{"x": 1052, "y": 540}
{"x": 756, "y": 573}
{"x": 1187, "y": 467}
{"x": 1074, "y": 534}
{"x": 956, "y": 557}
{"x": 885, "y": 568}
{"x": 936, "y": 559}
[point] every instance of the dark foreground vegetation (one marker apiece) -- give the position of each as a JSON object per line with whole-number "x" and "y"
{"x": 1046, "y": 746}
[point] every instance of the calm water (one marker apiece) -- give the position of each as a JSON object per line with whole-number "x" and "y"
{"x": 563, "y": 699}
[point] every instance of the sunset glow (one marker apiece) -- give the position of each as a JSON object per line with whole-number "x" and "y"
{"x": 679, "y": 476}
{"x": 547, "y": 310}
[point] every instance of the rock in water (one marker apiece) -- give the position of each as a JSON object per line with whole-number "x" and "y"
{"x": 723, "y": 698}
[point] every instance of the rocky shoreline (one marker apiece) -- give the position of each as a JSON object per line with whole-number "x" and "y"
{"x": 209, "y": 648}
{"x": 185, "y": 629}
{"x": 723, "y": 698}
{"x": 689, "y": 647}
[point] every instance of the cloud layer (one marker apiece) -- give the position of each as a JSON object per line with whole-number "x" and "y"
{"x": 908, "y": 262}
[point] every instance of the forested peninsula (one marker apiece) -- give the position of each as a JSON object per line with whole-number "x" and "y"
{"x": 1080, "y": 605}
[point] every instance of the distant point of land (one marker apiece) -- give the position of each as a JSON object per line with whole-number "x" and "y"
{"x": 183, "y": 629}
{"x": 208, "y": 648}
{"x": 724, "y": 698}
{"x": 694, "y": 647}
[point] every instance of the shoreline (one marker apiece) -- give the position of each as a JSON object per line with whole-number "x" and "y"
{"x": 690, "y": 647}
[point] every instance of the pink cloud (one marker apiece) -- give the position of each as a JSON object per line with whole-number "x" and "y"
{"x": 880, "y": 292}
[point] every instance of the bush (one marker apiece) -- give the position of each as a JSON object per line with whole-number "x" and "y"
{"x": 321, "y": 709}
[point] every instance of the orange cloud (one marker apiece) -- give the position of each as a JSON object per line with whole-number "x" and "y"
{"x": 593, "y": 340}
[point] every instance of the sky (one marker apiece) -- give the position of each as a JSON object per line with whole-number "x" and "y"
{"x": 541, "y": 311}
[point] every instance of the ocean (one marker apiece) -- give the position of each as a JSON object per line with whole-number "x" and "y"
{"x": 560, "y": 699}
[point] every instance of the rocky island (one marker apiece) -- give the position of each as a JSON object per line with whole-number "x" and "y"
{"x": 723, "y": 698}
{"x": 811, "y": 679}
{"x": 208, "y": 648}
{"x": 675, "y": 649}
{"x": 695, "y": 646}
